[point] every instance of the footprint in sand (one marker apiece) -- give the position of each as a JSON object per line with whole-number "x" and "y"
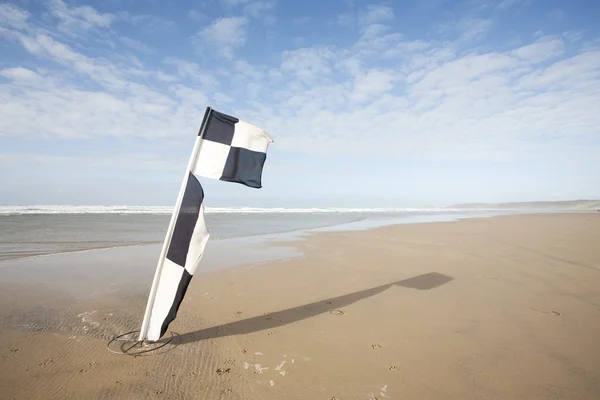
{"x": 46, "y": 362}
{"x": 555, "y": 313}
{"x": 282, "y": 372}
{"x": 90, "y": 366}
{"x": 258, "y": 369}
{"x": 278, "y": 368}
{"x": 383, "y": 392}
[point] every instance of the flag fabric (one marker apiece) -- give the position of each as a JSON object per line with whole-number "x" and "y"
{"x": 229, "y": 150}
{"x": 189, "y": 238}
{"x": 232, "y": 150}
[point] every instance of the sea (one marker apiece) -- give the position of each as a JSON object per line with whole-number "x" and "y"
{"x": 32, "y": 231}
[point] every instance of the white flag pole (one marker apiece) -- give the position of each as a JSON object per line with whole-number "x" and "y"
{"x": 167, "y": 242}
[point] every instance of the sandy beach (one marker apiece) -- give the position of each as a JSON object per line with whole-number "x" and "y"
{"x": 494, "y": 308}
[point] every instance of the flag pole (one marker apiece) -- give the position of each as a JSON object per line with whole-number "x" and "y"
{"x": 169, "y": 235}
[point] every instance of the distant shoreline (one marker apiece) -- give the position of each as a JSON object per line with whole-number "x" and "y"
{"x": 573, "y": 205}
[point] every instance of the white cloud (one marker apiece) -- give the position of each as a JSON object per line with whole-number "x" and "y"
{"x": 580, "y": 72}
{"x": 539, "y": 51}
{"x": 376, "y": 41}
{"x": 252, "y": 8}
{"x": 82, "y": 17}
{"x": 376, "y": 14}
{"x": 506, "y": 4}
{"x": 20, "y": 74}
{"x": 148, "y": 23}
{"x": 308, "y": 65}
{"x": 248, "y": 71}
{"x": 137, "y": 45}
{"x": 98, "y": 69}
{"x": 464, "y": 70}
{"x": 13, "y": 17}
{"x": 259, "y": 9}
{"x": 371, "y": 19}
{"x": 190, "y": 71}
{"x": 225, "y": 34}
{"x": 373, "y": 83}
{"x": 474, "y": 28}
{"x": 221, "y": 99}
{"x": 192, "y": 96}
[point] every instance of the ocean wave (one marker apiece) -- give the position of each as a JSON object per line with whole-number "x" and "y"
{"x": 54, "y": 209}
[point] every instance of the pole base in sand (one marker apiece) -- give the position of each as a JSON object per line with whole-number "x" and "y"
{"x": 129, "y": 345}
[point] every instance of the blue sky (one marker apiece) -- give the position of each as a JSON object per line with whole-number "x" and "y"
{"x": 392, "y": 103}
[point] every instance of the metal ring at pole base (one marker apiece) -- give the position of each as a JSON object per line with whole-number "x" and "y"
{"x": 132, "y": 346}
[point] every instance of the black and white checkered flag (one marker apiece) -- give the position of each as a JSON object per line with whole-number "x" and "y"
{"x": 232, "y": 150}
{"x": 226, "y": 149}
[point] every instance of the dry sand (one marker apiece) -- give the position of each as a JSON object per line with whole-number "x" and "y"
{"x": 499, "y": 308}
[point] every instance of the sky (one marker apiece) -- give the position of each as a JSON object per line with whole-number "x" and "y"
{"x": 370, "y": 104}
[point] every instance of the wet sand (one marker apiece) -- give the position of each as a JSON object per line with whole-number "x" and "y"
{"x": 499, "y": 308}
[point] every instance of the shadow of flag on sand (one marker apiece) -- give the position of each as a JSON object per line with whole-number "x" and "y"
{"x": 276, "y": 319}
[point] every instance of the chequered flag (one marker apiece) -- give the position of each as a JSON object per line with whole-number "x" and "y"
{"x": 232, "y": 150}
{"x": 185, "y": 251}
{"x": 229, "y": 150}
